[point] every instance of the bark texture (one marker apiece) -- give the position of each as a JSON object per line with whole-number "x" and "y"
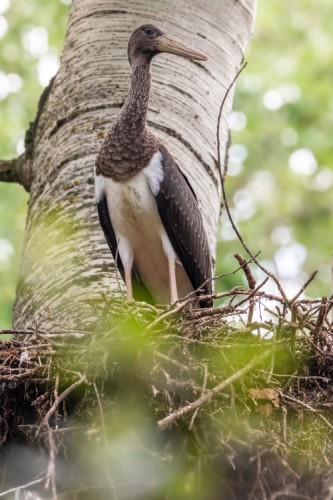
{"x": 66, "y": 261}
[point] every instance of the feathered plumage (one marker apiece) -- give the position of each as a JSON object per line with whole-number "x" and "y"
{"x": 147, "y": 208}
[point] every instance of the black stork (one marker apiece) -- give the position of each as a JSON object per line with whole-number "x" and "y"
{"x": 147, "y": 208}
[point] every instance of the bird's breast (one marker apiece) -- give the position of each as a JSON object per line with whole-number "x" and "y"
{"x": 131, "y": 203}
{"x": 142, "y": 238}
{"x": 134, "y": 214}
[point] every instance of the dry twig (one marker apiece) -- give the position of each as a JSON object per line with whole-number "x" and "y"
{"x": 22, "y": 487}
{"x": 207, "y": 396}
{"x": 61, "y": 398}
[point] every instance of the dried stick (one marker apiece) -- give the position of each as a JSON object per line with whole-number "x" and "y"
{"x": 228, "y": 309}
{"x": 101, "y": 413}
{"x": 172, "y": 361}
{"x": 16, "y": 332}
{"x": 305, "y": 405}
{"x": 297, "y": 377}
{"x": 320, "y": 320}
{"x": 203, "y": 389}
{"x": 286, "y": 493}
{"x": 219, "y": 163}
{"x": 175, "y": 309}
{"x": 247, "y": 271}
{"x": 57, "y": 402}
{"x": 14, "y": 376}
{"x": 224, "y": 197}
{"x": 253, "y": 293}
{"x": 257, "y": 480}
{"x": 235, "y": 291}
{"x": 207, "y": 396}
{"x": 184, "y": 301}
{"x": 306, "y": 284}
{"x": 251, "y": 282}
{"x": 51, "y": 471}
{"x": 23, "y": 487}
{"x": 225, "y": 310}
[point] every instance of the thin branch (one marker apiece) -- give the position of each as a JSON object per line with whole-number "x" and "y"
{"x": 23, "y": 487}
{"x": 175, "y": 309}
{"x": 51, "y": 470}
{"x": 235, "y": 291}
{"x": 253, "y": 293}
{"x": 172, "y": 361}
{"x": 231, "y": 309}
{"x": 57, "y": 402}
{"x": 201, "y": 298}
{"x": 13, "y": 331}
{"x": 219, "y": 163}
{"x": 247, "y": 271}
{"x": 308, "y": 407}
{"x": 297, "y": 377}
{"x": 207, "y": 396}
{"x": 224, "y": 197}
{"x": 26, "y": 373}
{"x": 101, "y": 413}
{"x": 251, "y": 282}
{"x": 306, "y": 284}
{"x": 320, "y": 319}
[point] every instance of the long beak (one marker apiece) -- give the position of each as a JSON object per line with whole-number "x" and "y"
{"x": 165, "y": 43}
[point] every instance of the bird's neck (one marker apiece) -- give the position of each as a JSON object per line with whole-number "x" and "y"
{"x": 133, "y": 116}
{"x": 129, "y": 146}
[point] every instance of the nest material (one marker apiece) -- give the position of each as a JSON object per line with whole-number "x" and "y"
{"x": 233, "y": 387}
{"x": 241, "y": 406}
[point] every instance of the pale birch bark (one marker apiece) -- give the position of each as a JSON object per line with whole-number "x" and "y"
{"x": 65, "y": 259}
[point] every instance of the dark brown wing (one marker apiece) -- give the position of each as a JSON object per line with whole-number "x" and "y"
{"x": 140, "y": 292}
{"x": 179, "y": 211}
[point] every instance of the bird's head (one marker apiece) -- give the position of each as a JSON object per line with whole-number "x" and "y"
{"x": 149, "y": 40}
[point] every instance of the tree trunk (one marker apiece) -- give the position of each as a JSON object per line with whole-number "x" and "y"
{"x": 65, "y": 259}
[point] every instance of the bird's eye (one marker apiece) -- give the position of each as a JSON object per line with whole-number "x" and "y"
{"x": 148, "y": 31}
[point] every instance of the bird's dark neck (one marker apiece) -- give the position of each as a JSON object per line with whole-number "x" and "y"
{"x": 129, "y": 145}
{"x": 133, "y": 116}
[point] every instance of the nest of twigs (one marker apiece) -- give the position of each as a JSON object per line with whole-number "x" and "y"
{"x": 242, "y": 395}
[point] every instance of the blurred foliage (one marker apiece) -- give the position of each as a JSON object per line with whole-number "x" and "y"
{"x": 279, "y": 212}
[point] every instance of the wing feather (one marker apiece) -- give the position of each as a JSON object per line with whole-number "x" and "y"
{"x": 179, "y": 212}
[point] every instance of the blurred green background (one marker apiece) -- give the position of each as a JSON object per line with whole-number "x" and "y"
{"x": 280, "y": 173}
